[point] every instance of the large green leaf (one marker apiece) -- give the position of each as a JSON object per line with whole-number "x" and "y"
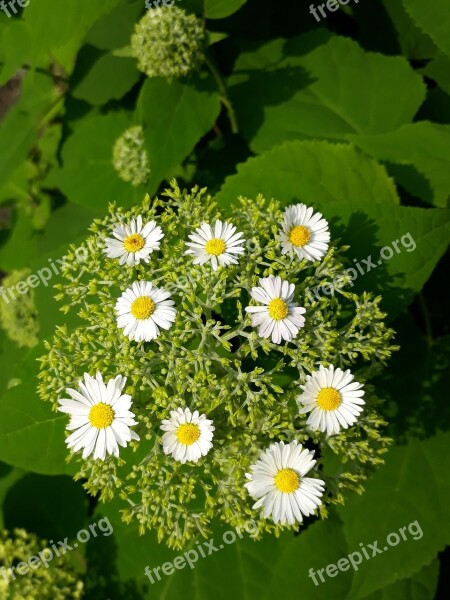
{"x": 87, "y": 162}
{"x": 439, "y": 70}
{"x": 323, "y": 94}
{"x": 415, "y": 44}
{"x": 420, "y": 586}
{"x": 14, "y": 251}
{"x": 243, "y": 569}
{"x": 56, "y": 29}
{"x": 8, "y": 477}
{"x": 425, "y": 147}
{"x": 10, "y": 356}
{"x": 47, "y": 516}
{"x": 352, "y": 190}
{"x": 433, "y": 18}
{"x": 395, "y": 498}
{"x": 109, "y": 78}
{"x": 410, "y": 491}
{"x": 218, "y": 9}
{"x": 48, "y": 270}
{"x": 404, "y": 244}
{"x": 31, "y": 434}
{"x": 14, "y": 48}
{"x": 16, "y": 186}
{"x": 19, "y": 130}
{"x": 175, "y": 115}
{"x": 314, "y": 172}
{"x": 114, "y": 29}
{"x": 417, "y": 405}
{"x": 66, "y": 225}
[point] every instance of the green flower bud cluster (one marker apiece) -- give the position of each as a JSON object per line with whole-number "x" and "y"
{"x": 168, "y": 43}
{"x": 213, "y": 361}
{"x": 19, "y": 318}
{"x": 56, "y": 582}
{"x": 130, "y": 158}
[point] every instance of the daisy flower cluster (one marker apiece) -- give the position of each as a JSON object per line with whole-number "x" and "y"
{"x": 203, "y": 382}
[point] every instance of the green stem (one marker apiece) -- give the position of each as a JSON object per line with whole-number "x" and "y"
{"x": 52, "y": 112}
{"x": 223, "y": 95}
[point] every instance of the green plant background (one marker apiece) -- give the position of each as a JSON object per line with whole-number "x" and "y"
{"x": 350, "y": 115}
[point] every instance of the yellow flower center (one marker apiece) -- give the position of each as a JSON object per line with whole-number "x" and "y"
{"x": 188, "y": 433}
{"x": 101, "y": 415}
{"x": 329, "y": 399}
{"x": 134, "y": 242}
{"x": 215, "y": 246}
{"x": 143, "y": 307}
{"x": 299, "y": 235}
{"x": 287, "y": 481}
{"x": 278, "y": 309}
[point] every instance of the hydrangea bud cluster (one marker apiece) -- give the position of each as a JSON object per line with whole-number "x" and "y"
{"x": 168, "y": 43}
{"x": 130, "y": 158}
{"x": 19, "y": 316}
{"x": 57, "y": 581}
{"x": 204, "y": 382}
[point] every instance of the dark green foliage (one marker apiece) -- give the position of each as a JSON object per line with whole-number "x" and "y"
{"x": 350, "y": 115}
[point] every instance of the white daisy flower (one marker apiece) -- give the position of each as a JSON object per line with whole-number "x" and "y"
{"x": 188, "y": 435}
{"x": 217, "y": 245}
{"x": 333, "y": 399}
{"x": 279, "y": 317}
{"x": 100, "y": 415}
{"x": 304, "y": 232}
{"x": 134, "y": 242}
{"x": 278, "y": 482}
{"x": 143, "y": 309}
